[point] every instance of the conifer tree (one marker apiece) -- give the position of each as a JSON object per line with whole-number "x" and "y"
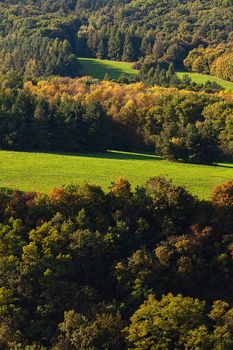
{"x": 128, "y": 52}
{"x": 115, "y": 44}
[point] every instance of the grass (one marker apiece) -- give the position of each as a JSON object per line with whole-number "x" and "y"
{"x": 203, "y": 78}
{"x": 41, "y": 171}
{"x": 97, "y": 68}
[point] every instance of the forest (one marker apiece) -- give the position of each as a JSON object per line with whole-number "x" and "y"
{"x": 42, "y": 38}
{"x": 131, "y": 267}
{"x": 64, "y": 114}
{"x": 149, "y": 268}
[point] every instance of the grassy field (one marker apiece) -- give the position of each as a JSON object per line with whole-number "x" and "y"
{"x": 97, "y": 68}
{"x": 203, "y": 78}
{"x": 41, "y": 171}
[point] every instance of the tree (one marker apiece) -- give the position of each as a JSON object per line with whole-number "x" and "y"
{"x": 170, "y": 72}
{"x": 115, "y": 44}
{"x": 102, "y": 48}
{"x": 128, "y": 50}
{"x": 165, "y": 324}
{"x": 31, "y": 70}
{"x": 104, "y": 331}
{"x": 172, "y": 205}
{"x": 158, "y": 49}
{"x": 222, "y": 195}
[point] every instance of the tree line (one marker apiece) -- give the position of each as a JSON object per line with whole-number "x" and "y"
{"x": 162, "y": 75}
{"x": 63, "y": 114}
{"x": 140, "y": 268}
{"x": 217, "y": 61}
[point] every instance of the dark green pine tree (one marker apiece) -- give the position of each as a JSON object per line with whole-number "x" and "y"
{"x": 128, "y": 51}
{"x": 163, "y": 78}
{"x": 170, "y": 72}
{"x": 157, "y": 75}
{"x": 102, "y": 50}
{"x": 151, "y": 74}
{"x": 158, "y": 49}
{"x": 147, "y": 44}
{"x": 115, "y": 44}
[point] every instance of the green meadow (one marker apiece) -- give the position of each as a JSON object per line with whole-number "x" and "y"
{"x": 203, "y": 78}
{"x": 41, "y": 171}
{"x": 97, "y": 68}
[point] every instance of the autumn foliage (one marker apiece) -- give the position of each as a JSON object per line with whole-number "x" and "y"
{"x": 86, "y": 269}
{"x": 222, "y": 195}
{"x": 214, "y": 60}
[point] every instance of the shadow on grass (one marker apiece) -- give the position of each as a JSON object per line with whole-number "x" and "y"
{"x": 226, "y": 165}
{"x": 114, "y": 155}
{"x": 98, "y": 69}
{"x": 109, "y": 154}
{"x": 123, "y": 155}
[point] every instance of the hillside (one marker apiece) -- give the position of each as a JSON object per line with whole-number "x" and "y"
{"x": 116, "y": 175}
{"x": 55, "y": 170}
{"x": 42, "y": 39}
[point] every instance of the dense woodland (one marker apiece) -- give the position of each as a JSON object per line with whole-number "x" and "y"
{"x": 63, "y": 114}
{"x": 150, "y": 268}
{"x": 40, "y": 38}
